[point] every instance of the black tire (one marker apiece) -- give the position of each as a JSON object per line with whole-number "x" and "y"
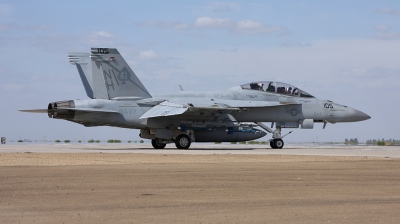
{"x": 182, "y": 142}
{"x": 278, "y": 143}
{"x": 272, "y": 144}
{"x": 157, "y": 144}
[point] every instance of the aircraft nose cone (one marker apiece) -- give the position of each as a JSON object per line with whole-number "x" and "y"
{"x": 359, "y": 116}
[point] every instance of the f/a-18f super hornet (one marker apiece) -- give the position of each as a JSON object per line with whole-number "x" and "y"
{"x": 119, "y": 99}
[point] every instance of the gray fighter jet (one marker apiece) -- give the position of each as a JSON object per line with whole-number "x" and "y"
{"x": 119, "y": 99}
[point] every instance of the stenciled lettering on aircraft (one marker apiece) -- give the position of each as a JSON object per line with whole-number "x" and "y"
{"x": 165, "y": 113}
{"x": 252, "y": 96}
{"x": 294, "y": 111}
{"x": 328, "y": 105}
{"x": 107, "y": 76}
{"x": 124, "y": 76}
{"x": 223, "y": 96}
{"x": 102, "y": 50}
{"x": 127, "y": 111}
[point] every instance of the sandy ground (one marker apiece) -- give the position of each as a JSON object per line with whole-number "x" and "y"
{"x": 98, "y": 187}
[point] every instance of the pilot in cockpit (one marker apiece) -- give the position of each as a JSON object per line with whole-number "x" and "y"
{"x": 260, "y": 86}
{"x": 296, "y": 92}
{"x": 289, "y": 91}
{"x": 271, "y": 87}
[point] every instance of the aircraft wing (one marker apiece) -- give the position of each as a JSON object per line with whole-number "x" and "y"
{"x": 169, "y": 109}
{"x": 165, "y": 109}
{"x": 225, "y": 104}
{"x": 195, "y": 105}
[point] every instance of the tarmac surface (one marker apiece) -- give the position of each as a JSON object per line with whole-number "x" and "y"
{"x": 204, "y": 149}
{"x": 133, "y": 183}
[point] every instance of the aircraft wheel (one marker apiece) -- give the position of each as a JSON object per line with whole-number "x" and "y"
{"x": 157, "y": 144}
{"x": 278, "y": 143}
{"x": 272, "y": 143}
{"x": 182, "y": 142}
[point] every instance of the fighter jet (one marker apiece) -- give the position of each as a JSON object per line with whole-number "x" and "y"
{"x": 119, "y": 99}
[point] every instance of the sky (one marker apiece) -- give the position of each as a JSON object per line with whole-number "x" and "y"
{"x": 344, "y": 51}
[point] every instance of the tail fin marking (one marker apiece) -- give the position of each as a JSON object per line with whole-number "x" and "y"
{"x": 118, "y": 77}
{"x": 100, "y": 90}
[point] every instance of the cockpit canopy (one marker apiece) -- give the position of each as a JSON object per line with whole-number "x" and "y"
{"x": 276, "y": 87}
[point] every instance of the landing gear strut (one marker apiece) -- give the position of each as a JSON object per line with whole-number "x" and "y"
{"x": 276, "y": 142}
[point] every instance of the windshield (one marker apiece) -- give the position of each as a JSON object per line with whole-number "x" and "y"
{"x": 276, "y": 87}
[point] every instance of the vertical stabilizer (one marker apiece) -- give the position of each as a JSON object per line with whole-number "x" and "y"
{"x": 82, "y": 62}
{"x": 118, "y": 77}
{"x": 99, "y": 88}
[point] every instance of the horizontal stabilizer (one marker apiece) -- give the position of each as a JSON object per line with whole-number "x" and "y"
{"x": 35, "y": 111}
{"x": 75, "y": 109}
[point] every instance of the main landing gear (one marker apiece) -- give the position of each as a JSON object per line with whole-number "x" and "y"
{"x": 182, "y": 141}
{"x": 276, "y": 142}
{"x": 158, "y": 144}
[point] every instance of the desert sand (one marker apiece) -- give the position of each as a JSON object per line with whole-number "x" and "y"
{"x": 40, "y": 187}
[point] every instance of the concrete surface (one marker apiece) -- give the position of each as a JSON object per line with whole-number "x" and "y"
{"x": 323, "y": 150}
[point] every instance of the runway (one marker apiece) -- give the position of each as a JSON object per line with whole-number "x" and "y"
{"x": 128, "y": 183}
{"x": 207, "y": 149}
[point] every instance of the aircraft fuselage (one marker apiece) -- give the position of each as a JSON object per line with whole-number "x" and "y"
{"x": 291, "y": 109}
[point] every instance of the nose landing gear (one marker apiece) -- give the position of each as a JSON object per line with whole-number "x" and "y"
{"x": 276, "y": 142}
